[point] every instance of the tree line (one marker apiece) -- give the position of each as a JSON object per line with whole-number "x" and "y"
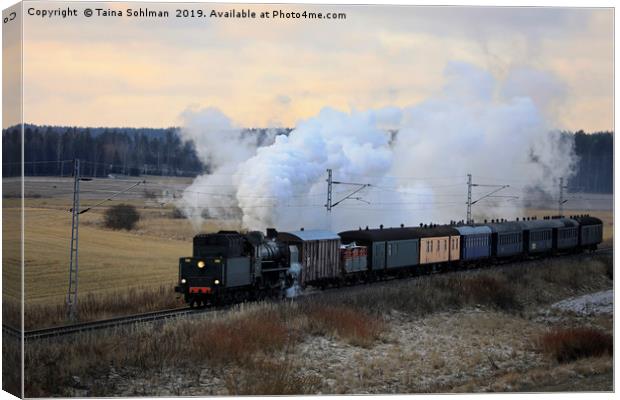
{"x": 102, "y": 151}
{"x": 48, "y": 150}
{"x": 595, "y": 168}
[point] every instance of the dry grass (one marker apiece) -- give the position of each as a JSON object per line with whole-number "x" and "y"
{"x": 247, "y": 337}
{"x": 239, "y": 339}
{"x": 270, "y": 378}
{"x": 565, "y": 345}
{"x": 513, "y": 288}
{"x": 242, "y": 336}
{"x": 485, "y": 289}
{"x": 11, "y": 365}
{"x": 437, "y": 293}
{"x": 353, "y": 326}
{"x": 93, "y": 307}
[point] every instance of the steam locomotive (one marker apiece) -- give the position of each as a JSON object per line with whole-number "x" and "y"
{"x": 229, "y": 266}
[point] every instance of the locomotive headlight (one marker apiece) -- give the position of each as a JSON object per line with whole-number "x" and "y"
{"x": 201, "y": 264}
{"x": 183, "y": 281}
{"x": 217, "y": 281}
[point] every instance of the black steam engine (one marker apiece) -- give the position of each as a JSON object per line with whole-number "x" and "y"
{"x": 229, "y": 266}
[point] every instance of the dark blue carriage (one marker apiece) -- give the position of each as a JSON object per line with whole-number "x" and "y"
{"x": 475, "y": 242}
{"x": 506, "y": 239}
{"x": 538, "y": 236}
{"x": 566, "y": 234}
{"x": 590, "y": 231}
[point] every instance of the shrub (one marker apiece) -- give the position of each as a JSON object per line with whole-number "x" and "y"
{"x": 150, "y": 194}
{"x": 489, "y": 290}
{"x": 261, "y": 331}
{"x": 121, "y": 216}
{"x": 566, "y": 345}
{"x": 353, "y": 326}
{"x": 177, "y": 213}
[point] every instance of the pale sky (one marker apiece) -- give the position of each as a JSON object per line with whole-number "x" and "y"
{"x": 145, "y": 72}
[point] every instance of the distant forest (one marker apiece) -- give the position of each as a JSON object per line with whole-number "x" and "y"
{"x": 595, "y": 169}
{"x": 145, "y": 151}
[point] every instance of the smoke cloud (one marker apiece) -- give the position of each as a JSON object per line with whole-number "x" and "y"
{"x": 414, "y": 159}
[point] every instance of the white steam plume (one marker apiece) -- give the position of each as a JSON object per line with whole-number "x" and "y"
{"x": 416, "y": 159}
{"x": 223, "y": 146}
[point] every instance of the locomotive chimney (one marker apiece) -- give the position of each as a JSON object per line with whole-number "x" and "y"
{"x": 402, "y": 225}
{"x": 302, "y": 228}
{"x": 381, "y": 226}
{"x": 272, "y": 233}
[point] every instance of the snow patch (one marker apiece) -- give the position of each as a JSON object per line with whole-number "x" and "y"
{"x": 595, "y": 303}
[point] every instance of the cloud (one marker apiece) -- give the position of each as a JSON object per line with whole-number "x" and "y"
{"x": 283, "y": 100}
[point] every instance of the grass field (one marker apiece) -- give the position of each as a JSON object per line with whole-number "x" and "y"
{"x": 109, "y": 261}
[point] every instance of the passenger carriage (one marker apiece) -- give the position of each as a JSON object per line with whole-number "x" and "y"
{"x": 475, "y": 242}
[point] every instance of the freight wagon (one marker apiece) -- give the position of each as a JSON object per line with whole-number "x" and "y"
{"x": 319, "y": 255}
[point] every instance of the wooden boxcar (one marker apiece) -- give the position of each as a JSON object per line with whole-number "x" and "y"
{"x": 319, "y": 254}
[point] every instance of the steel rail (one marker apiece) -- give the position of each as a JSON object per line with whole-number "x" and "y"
{"x": 99, "y": 324}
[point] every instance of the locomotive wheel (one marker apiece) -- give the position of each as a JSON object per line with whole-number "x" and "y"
{"x": 239, "y": 297}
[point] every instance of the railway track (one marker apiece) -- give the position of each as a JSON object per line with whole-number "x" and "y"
{"x": 100, "y": 324}
{"x": 179, "y": 312}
